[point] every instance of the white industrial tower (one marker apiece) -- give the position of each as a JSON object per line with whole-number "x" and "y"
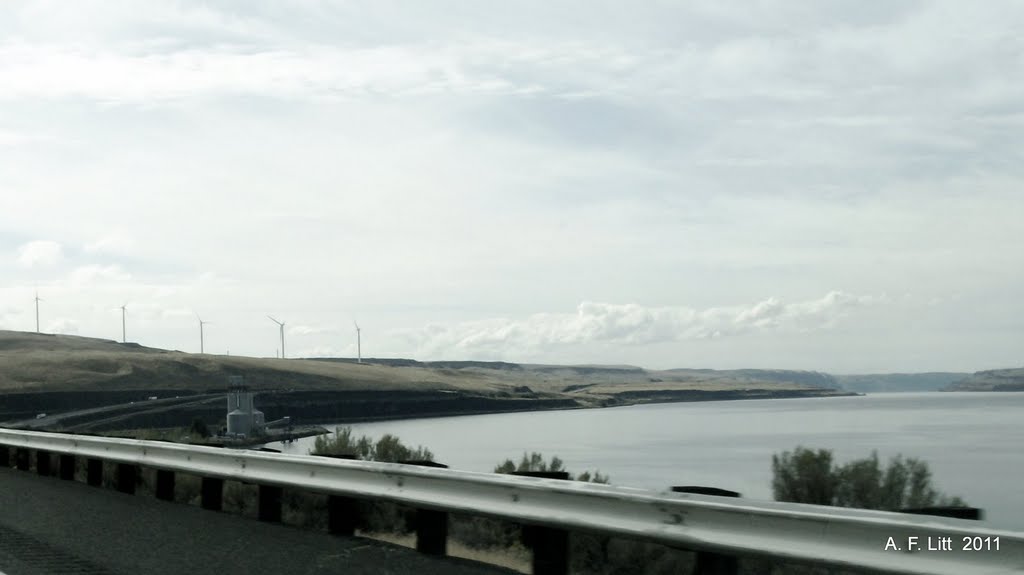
{"x": 359, "y": 344}
{"x": 37, "y": 311}
{"x": 280, "y": 325}
{"x": 124, "y": 332}
{"x": 201, "y": 324}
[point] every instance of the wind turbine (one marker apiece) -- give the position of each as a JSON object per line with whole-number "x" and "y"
{"x": 201, "y": 324}
{"x": 359, "y": 343}
{"x": 124, "y": 333}
{"x": 280, "y": 324}
{"x": 37, "y": 311}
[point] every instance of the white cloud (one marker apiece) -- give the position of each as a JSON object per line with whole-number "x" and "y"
{"x": 311, "y": 330}
{"x": 140, "y": 306}
{"x": 62, "y": 326}
{"x": 423, "y": 164}
{"x": 178, "y": 312}
{"x": 113, "y": 244}
{"x": 323, "y": 351}
{"x": 596, "y": 322}
{"x": 98, "y": 274}
{"x": 40, "y": 253}
{"x": 9, "y": 317}
{"x": 10, "y": 138}
{"x": 56, "y": 71}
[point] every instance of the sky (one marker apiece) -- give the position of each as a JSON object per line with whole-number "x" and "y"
{"x": 822, "y": 185}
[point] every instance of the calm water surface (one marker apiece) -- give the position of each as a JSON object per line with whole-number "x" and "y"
{"x": 973, "y": 442}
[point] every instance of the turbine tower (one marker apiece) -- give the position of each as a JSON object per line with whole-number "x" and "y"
{"x": 37, "y": 311}
{"x": 201, "y": 324}
{"x": 280, "y": 325}
{"x": 359, "y": 344}
{"x": 124, "y": 332}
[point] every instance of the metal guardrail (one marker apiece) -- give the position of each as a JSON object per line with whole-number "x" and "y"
{"x": 874, "y": 540}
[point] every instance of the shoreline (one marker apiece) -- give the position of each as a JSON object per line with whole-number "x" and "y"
{"x": 643, "y": 400}
{"x": 305, "y": 407}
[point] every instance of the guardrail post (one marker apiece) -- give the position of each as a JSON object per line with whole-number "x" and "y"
{"x": 165, "y": 485}
{"x": 67, "y": 467}
{"x": 94, "y": 472}
{"x": 269, "y": 508}
{"x": 212, "y": 493}
{"x": 126, "y": 478}
{"x": 431, "y": 525}
{"x": 270, "y": 503}
{"x": 709, "y": 563}
{"x": 342, "y": 512}
{"x": 21, "y": 459}
{"x": 5, "y": 456}
{"x": 43, "y": 462}
{"x": 550, "y": 545}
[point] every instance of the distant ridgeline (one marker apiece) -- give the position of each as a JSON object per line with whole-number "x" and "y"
{"x": 402, "y": 362}
{"x": 809, "y": 378}
{"x": 887, "y": 382}
{"x": 991, "y": 380}
{"x": 496, "y": 365}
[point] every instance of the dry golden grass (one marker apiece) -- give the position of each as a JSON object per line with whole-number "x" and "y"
{"x": 40, "y": 362}
{"x": 32, "y": 362}
{"x": 670, "y": 386}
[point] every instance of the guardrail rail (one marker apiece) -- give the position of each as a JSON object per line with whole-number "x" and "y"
{"x": 861, "y": 539}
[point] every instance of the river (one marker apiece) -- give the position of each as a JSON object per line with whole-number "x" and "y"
{"x": 973, "y": 442}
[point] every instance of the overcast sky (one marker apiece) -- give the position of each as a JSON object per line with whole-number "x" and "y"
{"x": 812, "y": 185}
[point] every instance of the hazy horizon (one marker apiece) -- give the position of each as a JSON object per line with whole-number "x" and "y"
{"x": 830, "y": 186}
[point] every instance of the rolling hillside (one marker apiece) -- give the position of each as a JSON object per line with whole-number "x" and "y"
{"x": 991, "y": 380}
{"x": 61, "y": 373}
{"x": 894, "y": 382}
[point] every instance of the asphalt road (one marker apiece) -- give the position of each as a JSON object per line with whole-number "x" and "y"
{"x": 49, "y": 526}
{"x": 113, "y": 412}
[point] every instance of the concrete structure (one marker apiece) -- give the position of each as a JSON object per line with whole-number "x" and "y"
{"x": 244, "y": 420}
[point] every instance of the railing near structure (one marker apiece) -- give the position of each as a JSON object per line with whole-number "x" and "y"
{"x": 860, "y": 539}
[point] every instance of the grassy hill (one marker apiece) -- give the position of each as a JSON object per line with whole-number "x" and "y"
{"x": 46, "y": 363}
{"x": 60, "y": 373}
{"x": 41, "y": 362}
{"x": 890, "y": 382}
{"x": 991, "y": 380}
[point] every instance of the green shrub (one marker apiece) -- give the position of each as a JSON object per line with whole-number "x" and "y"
{"x": 589, "y": 553}
{"x": 804, "y": 476}
{"x": 808, "y": 476}
{"x": 536, "y": 462}
{"x": 375, "y": 516}
{"x": 388, "y": 448}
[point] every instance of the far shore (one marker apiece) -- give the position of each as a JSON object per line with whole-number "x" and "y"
{"x": 308, "y": 407}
